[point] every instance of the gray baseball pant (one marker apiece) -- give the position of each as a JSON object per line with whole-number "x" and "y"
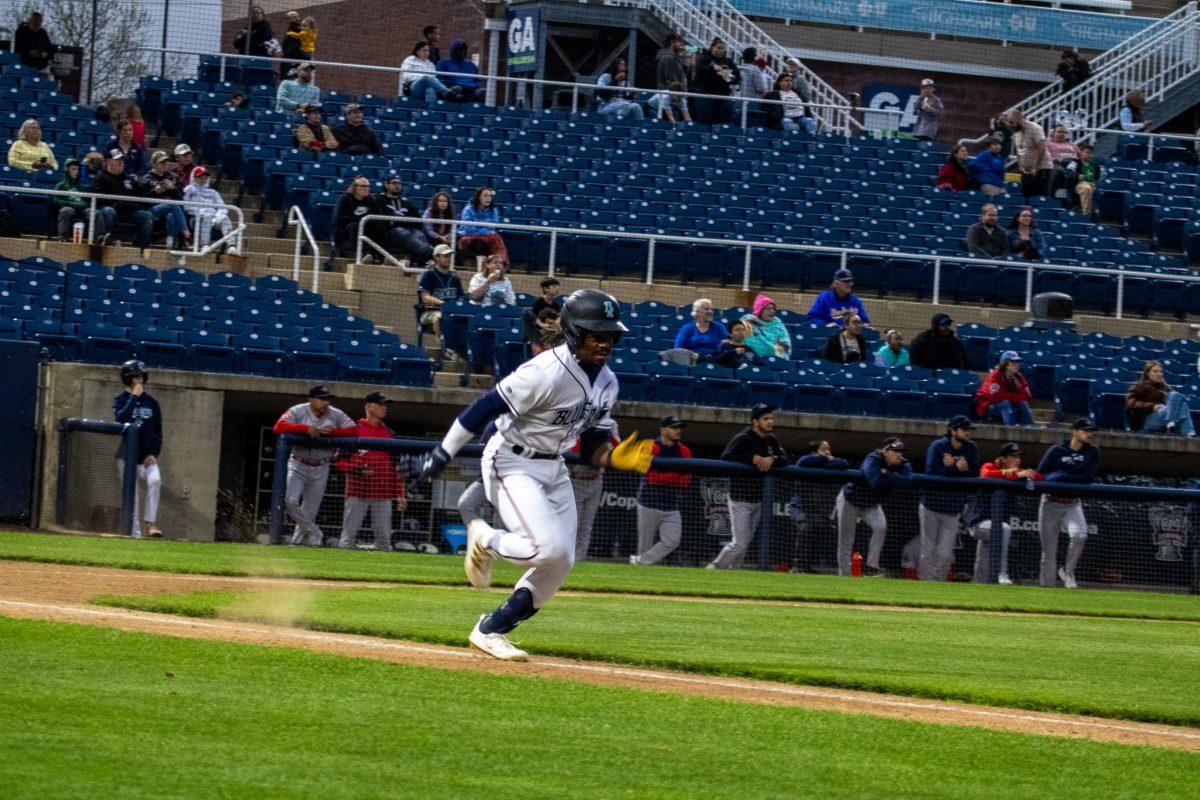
{"x": 743, "y": 524}
{"x": 848, "y": 516}
{"x": 938, "y": 533}
{"x": 587, "y": 502}
{"x": 1054, "y": 517}
{"x": 355, "y": 510}
{"x": 653, "y": 522}
{"x": 982, "y": 533}
{"x": 473, "y": 504}
{"x": 305, "y": 490}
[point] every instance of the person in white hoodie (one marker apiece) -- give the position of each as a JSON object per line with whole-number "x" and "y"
{"x": 419, "y": 77}
{"x": 205, "y": 208}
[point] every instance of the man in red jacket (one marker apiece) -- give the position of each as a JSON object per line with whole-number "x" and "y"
{"x": 658, "y": 498}
{"x": 1007, "y": 466}
{"x": 372, "y": 480}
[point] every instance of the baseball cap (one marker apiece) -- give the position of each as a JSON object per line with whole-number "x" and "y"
{"x": 182, "y": 149}
{"x": 309, "y": 107}
{"x": 960, "y": 423}
{"x": 392, "y": 175}
{"x": 320, "y": 390}
{"x": 158, "y": 156}
{"x": 1084, "y": 424}
{"x": 1010, "y": 449}
{"x": 350, "y": 109}
{"x": 116, "y": 154}
{"x": 759, "y": 409}
{"x": 671, "y": 421}
{"x": 844, "y": 274}
{"x": 1011, "y": 355}
{"x": 942, "y": 319}
{"x": 376, "y": 397}
{"x": 927, "y": 82}
{"x": 894, "y": 444}
{"x": 303, "y": 67}
{"x": 443, "y": 250}
{"x": 199, "y": 172}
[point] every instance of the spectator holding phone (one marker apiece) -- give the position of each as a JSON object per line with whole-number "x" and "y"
{"x": 490, "y": 286}
{"x": 29, "y": 152}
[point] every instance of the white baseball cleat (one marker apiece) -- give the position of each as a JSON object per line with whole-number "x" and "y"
{"x": 1068, "y": 580}
{"x": 1004, "y": 580}
{"x": 495, "y": 645}
{"x": 478, "y": 561}
{"x": 633, "y": 559}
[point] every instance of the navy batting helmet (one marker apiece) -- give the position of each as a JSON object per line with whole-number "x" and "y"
{"x": 590, "y": 310}
{"x": 133, "y": 369}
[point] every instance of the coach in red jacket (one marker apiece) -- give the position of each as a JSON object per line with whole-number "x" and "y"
{"x": 372, "y": 480}
{"x": 658, "y": 498}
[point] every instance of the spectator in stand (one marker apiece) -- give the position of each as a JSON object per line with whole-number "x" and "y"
{"x": 431, "y": 35}
{"x": 1073, "y": 70}
{"x": 28, "y": 151}
{"x": 1002, "y": 132}
{"x": 135, "y": 156}
{"x": 753, "y": 83}
{"x": 938, "y": 347}
{"x": 1131, "y": 115}
{"x": 716, "y": 74}
{"x": 1077, "y": 462}
{"x": 206, "y": 209}
{"x": 440, "y": 208}
{"x": 703, "y": 335}
{"x": 885, "y": 470}
{"x": 403, "y": 237}
{"x": 987, "y": 168}
{"x": 373, "y": 479}
{"x": 985, "y": 239}
{"x": 658, "y": 498}
{"x": 260, "y": 35}
{"x": 1007, "y": 466}
{"x": 671, "y": 107}
{"x": 74, "y": 208}
{"x": 833, "y": 305}
{"x": 793, "y": 114}
{"x": 134, "y": 114}
{"x": 892, "y": 353}
{"x": 306, "y": 36}
{"x": 114, "y": 180}
{"x": 800, "y": 86}
{"x": 356, "y": 203}
{"x": 33, "y": 46}
{"x": 93, "y": 165}
{"x": 1082, "y": 176}
{"x": 847, "y": 345}
{"x": 550, "y": 326}
{"x": 1004, "y": 396}
{"x": 479, "y": 214}
{"x": 1060, "y": 146}
{"x": 1152, "y": 406}
{"x": 490, "y": 286}
{"x": 1033, "y": 159}
{"x": 354, "y": 136}
{"x": 419, "y": 79}
{"x": 929, "y": 113}
{"x": 290, "y": 45}
{"x": 471, "y": 89}
{"x": 734, "y": 352}
{"x": 238, "y": 103}
{"x": 313, "y": 134}
{"x": 536, "y": 326}
{"x": 185, "y": 162}
{"x": 437, "y": 286}
{"x": 954, "y": 174}
{"x": 768, "y": 337}
{"x": 298, "y": 91}
{"x": 952, "y": 456}
{"x": 550, "y": 297}
{"x": 616, "y": 105}
{"x": 1024, "y": 238}
{"x": 159, "y": 183}
{"x": 669, "y": 66}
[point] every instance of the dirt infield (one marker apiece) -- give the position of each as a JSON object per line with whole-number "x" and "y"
{"x": 60, "y": 593}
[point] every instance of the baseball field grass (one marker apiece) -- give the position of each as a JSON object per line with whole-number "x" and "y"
{"x": 245, "y": 559}
{"x": 103, "y": 713}
{"x": 1133, "y": 669}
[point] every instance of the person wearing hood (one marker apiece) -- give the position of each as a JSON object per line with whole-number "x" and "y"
{"x": 1152, "y": 406}
{"x": 74, "y": 208}
{"x": 1004, "y": 395}
{"x": 952, "y": 456}
{"x": 768, "y": 337}
{"x": 459, "y": 61}
{"x": 1075, "y": 461}
{"x": 847, "y": 345}
{"x": 884, "y": 470}
{"x": 716, "y": 74}
{"x": 1007, "y": 466}
{"x": 938, "y": 347}
{"x": 669, "y": 67}
{"x": 403, "y": 237}
{"x": 838, "y": 302}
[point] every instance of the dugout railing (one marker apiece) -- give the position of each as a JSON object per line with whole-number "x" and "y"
{"x": 88, "y": 463}
{"x": 1138, "y": 537}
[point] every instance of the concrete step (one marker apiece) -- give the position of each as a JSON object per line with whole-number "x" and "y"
{"x": 451, "y": 380}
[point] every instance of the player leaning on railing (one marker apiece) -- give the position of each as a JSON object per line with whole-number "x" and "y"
{"x": 560, "y": 396}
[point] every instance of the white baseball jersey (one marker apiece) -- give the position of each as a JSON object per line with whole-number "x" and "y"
{"x": 551, "y": 400}
{"x": 332, "y": 420}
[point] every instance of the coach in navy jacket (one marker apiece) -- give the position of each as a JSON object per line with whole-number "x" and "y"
{"x": 1075, "y": 461}
{"x": 952, "y": 456}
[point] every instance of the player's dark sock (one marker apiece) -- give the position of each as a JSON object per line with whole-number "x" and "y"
{"x": 517, "y": 608}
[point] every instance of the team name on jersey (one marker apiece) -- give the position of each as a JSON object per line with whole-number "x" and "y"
{"x": 585, "y": 413}
{"x": 141, "y": 412}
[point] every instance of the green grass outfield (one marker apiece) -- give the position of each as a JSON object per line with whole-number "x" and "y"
{"x": 1134, "y": 669}
{"x": 244, "y": 559}
{"x": 103, "y": 713}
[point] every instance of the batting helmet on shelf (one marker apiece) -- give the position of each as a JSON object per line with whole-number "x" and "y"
{"x": 133, "y": 369}
{"x": 590, "y": 310}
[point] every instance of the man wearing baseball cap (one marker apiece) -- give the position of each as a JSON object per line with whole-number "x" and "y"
{"x": 313, "y": 134}
{"x": 114, "y": 181}
{"x": 1007, "y": 466}
{"x": 437, "y": 286}
{"x": 658, "y": 498}
{"x": 952, "y": 456}
{"x": 354, "y": 135}
{"x": 884, "y": 470}
{"x": 757, "y": 447}
{"x": 406, "y": 238}
{"x": 837, "y": 303}
{"x": 1075, "y": 461}
{"x": 938, "y": 347}
{"x": 372, "y": 479}
{"x": 308, "y": 467}
{"x": 1004, "y": 396}
{"x": 929, "y": 112}
{"x": 184, "y": 163}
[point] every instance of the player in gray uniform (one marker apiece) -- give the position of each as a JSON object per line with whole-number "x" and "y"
{"x": 1075, "y": 461}
{"x": 587, "y": 483}
{"x": 308, "y": 467}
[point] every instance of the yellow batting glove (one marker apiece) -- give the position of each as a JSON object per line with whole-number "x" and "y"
{"x": 633, "y": 455}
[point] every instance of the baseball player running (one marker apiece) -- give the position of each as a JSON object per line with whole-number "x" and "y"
{"x": 885, "y": 469}
{"x": 952, "y": 456}
{"x": 136, "y": 405}
{"x": 540, "y": 409}
{"x": 1076, "y": 461}
{"x": 308, "y": 467}
{"x": 372, "y": 481}
{"x": 658, "y": 498}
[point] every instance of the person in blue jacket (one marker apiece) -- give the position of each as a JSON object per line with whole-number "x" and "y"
{"x": 703, "y": 335}
{"x": 136, "y": 405}
{"x": 987, "y": 168}
{"x": 952, "y": 456}
{"x": 1075, "y": 461}
{"x": 885, "y": 469}
{"x": 808, "y": 507}
{"x": 459, "y": 62}
{"x": 834, "y": 305}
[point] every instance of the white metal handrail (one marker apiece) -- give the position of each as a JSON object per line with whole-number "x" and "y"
{"x": 296, "y": 217}
{"x": 235, "y": 234}
{"x": 1093, "y": 133}
{"x": 750, "y": 245}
